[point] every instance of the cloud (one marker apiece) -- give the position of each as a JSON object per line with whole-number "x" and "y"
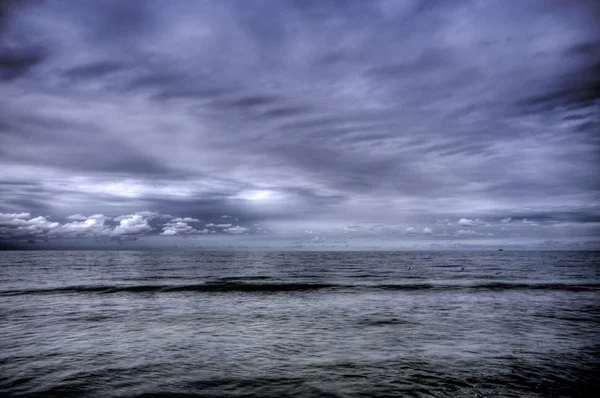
{"x": 388, "y": 229}
{"x": 334, "y": 109}
{"x": 90, "y": 226}
{"x": 466, "y": 232}
{"x": 185, "y": 219}
{"x": 15, "y": 63}
{"x": 506, "y": 220}
{"x": 237, "y": 230}
{"x": 20, "y": 226}
{"x": 124, "y": 227}
{"x": 40, "y": 226}
{"x": 180, "y": 228}
{"x": 7, "y": 217}
{"x": 350, "y": 228}
{"x": 411, "y": 230}
{"x": 77, "y": 217}
{"x": 427, "y": 231}
{"x": 131, "y": 225}
{"x": 470, "y": 223}
{"x": 141, "y": 214}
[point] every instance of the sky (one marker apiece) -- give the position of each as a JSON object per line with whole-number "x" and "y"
{"x": 300, "y": 124}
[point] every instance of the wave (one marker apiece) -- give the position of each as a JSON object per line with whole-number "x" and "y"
{"x": 495, "y": 286}
{"x": 572, "y": 287}
{"x": 234, "y": 285}
{"x": 203, "y": 287}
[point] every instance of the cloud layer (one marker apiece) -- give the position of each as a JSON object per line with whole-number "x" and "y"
{"x": 368, "y": 123}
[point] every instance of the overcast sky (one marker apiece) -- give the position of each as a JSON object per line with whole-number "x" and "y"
{"x": 310, "y": 124}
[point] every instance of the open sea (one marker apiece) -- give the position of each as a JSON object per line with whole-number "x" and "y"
{"x": 299, "y": 324}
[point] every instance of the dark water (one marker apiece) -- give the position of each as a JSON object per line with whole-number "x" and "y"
{"x": 300, "y": 324}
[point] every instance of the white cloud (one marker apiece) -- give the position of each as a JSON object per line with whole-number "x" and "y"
{"x": 470, "y": 223}
{"x": 219, "y": 225}
{"x": 185, "y": 219}
{"x": 12, "y": 216}
{"x": 466, "y": 232}
{"x": 91, "y": 226}
{"x": 531, "y": 223}
{"x": 133, "y": 225}
{"x": 506, "y": 220}
{"x": 380, "y": 229}
{"x": 176, "y": 228}
{"x": 181, "y": 228}
{"x": 427, "y": 231}
{"x": 19, "y": 227}
{"x": 39, "y": 226}
{"x": 352, "y": 228}
{"x": 98, "y": 217}
{"x": 410, "y": 230}
{"x": 15, "y": 222}
{"x": 144, "y": 214}
{"x": 148, "y": 214}
{"x": 237, "y": 230}
{"x": 77, "y": 217}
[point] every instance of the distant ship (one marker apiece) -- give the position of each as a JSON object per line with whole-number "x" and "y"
{"x": 500, "y": 250}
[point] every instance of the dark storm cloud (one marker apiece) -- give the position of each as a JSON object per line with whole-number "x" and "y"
{"x": 17, "y": 54}
{"x": 72, "y": 146}
{"x": 94, "y": 70}
{"x": 304, "y": 116}
{"x": 16, "y": 63}
{"x": 580, "y": 89}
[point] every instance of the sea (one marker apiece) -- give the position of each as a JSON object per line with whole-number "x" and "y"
{"x": 299, "y": 324}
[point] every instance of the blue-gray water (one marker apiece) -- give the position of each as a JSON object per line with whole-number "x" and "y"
{"x": 509, "y": 324}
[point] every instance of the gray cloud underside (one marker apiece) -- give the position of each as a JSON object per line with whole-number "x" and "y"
{"x": 305, "y": 115}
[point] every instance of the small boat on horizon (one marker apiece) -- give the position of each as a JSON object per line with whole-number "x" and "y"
{"x": 500, "y": 250}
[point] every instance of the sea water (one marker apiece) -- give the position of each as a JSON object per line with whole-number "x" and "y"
{"x": 299, "y": 324}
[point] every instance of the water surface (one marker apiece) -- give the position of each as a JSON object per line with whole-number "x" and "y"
{"x": 300, "y": 324}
